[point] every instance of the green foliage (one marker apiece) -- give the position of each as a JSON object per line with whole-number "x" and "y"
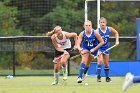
{"x": 30, "y": 14}
{"x": 5, "y": 60}
{"x": 122, "y": 16}
{"x": 69, "y": 15}
{"x": 8, "y": 20}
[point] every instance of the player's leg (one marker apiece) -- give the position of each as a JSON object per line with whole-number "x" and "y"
{"x": 82, "y": 65}
{"x": 64, "y": 60}
{"x": 91, "y": 56}
{"x": 56, "y": 73}
{"x": 99, "y": 67}
{"x": 106, "y": 67}
{"x": 56, "y": 66}
{"x": 129, "y": 80}
{"x": 87, "y": 66}
{"x": 136, "y": 79}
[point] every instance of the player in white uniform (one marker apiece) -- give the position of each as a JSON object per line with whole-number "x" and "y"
{"x": 62, "y": 45}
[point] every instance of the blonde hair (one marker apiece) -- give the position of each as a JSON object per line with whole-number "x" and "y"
{"x": 88, "y": 22}
{"x": 53, "y": 31}
{"x": 103, "y": 18}
{"x": 56, "y": 28}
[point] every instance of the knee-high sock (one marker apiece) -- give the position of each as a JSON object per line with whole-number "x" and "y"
{"x": 86, "y": 69}
{"x": 56, "y": 77}
{"x": 106, "y": 69}
{"x": 81, "y": 70}
{"x": 136, "y": 80}
{"x": 99, "y": 70}
{"x": 65, "y": 71}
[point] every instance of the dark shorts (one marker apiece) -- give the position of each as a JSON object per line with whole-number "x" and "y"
{"x": 58, "y": 53}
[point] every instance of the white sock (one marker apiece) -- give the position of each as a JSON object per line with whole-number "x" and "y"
{"x": 64, "y": 69}
{"x": 56, "y": 76}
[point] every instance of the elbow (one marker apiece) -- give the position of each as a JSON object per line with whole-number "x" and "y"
{"x": 57, "y": 49}
{"x": 75, "y": 35}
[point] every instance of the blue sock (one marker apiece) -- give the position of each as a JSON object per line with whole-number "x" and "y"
{"x": 86, "y": 69}
{"x": 136, "y": 80}
{"x": 99, "y": 70}
{"x": 81, "y": 70}
{"x": 106, "y": 69}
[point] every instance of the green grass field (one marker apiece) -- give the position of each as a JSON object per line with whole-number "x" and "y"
{"x": 42, "y": 84}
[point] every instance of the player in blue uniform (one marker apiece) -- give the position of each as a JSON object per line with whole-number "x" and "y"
{"x": 130, "y": 79}
{"x": 105, "y": 32}
{"x": 87, "y": 45}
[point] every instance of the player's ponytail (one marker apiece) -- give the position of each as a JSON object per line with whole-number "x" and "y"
{"x": 53, "y": 31}
{"x": 50, "y": 33}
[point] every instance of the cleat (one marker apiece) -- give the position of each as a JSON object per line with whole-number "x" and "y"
{"x": 55, "y": 83}
{"x": 128, "y": 81}
{"x": 98, "y": 79}
{"x": 79, "y": 80}
{"x": 64, "y": 78}
{"x": 108, "y": 79}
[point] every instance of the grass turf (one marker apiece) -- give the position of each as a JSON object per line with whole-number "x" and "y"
{"x": 42, "y": 84}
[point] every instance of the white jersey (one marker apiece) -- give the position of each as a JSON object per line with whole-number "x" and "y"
{"x": 65, "y": 43}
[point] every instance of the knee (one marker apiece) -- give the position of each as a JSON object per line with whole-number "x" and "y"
{"x": 56, "y": 69}
{"x": 99, "y": 61}
{"x": 106, "y": 64}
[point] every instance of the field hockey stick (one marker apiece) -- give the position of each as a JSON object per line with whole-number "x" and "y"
{"x": 105, "y": 51}
{"x": 76, "y": 56}
{"x": 73, "y": 49}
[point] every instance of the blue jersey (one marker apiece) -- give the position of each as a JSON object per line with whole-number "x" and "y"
{"x": 105, "y": 36}
{"x": 89, "y": 42}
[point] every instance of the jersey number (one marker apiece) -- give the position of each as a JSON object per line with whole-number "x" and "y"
{"x": 90, "y": 43}
{"x": 105, "y": 40}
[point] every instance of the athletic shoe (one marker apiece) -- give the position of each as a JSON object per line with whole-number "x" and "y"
{"x": 65, "y": 78}
{"x": 98, "y": 79}
{"x": 128, "y": 81}
{"x": 108, "y": 79}
{"x": 55, "y": 83}
{"x": 79, "y": 80}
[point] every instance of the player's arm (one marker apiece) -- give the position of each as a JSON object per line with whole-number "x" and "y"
{"x": 115, "y": 32}
{"x": 101, "y": 41}
{"x": 74, "y": 35}
{"x": 79, "y": 41}
{"x": 55, "y": 44}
